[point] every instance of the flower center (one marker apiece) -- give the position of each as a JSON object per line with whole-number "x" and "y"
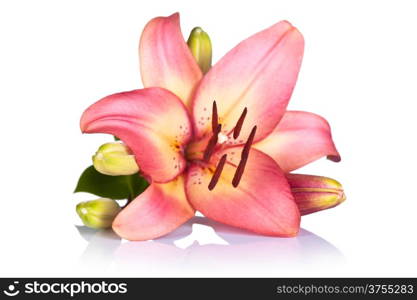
{"x": 218, "y": 139}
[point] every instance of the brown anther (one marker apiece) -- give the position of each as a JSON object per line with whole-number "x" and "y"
{"x": 239, "y": 172}
{"x": 214, "y": 118}
{"x": 244, "y": 158}
{"x": 246, "y": 148}
{"x": 239, "y": 124}
{"x": 217, "y": 172}
{"x": 212, "y": 143}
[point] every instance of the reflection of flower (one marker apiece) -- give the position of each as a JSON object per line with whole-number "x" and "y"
{"x": 212, "y": 143}
{"x": 200, "y": 246}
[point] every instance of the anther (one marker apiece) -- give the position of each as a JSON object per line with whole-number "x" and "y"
{"x": 214, "y": 118}
{"x": 217, "y": 172}
{"x": 244, "y": 158}
{"x": 212, "y": 143}
{"x": 239, "y": 172}
{"x": 239, "y": 124}
{"x": 246, "y": 148}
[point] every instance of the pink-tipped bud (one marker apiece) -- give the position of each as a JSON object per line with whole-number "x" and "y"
{"x": 315, "y": 193}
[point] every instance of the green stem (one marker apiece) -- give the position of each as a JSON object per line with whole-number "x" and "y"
{"x": 130, "y": 187}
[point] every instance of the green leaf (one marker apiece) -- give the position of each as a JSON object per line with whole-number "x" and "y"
{"x": 113, "y": 187}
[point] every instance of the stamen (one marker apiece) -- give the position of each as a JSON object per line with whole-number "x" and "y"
{"x": 246, "y": 148}
{"x": 239, "y": 172}
{"x": 217, "y": 172}
{"x": 239, "y": 124}
{"x": 212, "y": 143}
{"x": 244, "y": 158}
{"x": 214, "y": 118}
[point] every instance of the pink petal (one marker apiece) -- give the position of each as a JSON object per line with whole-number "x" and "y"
{"x": 262, "y": 202}
{"x": 152, "y": 122}
{"x": 259, "y": 74}
{"x": 300, "y": 138}
{"x": 154, "y": 213}
{"x": 165, "y": 60}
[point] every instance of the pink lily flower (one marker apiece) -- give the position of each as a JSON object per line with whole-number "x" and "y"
{"x": 220, "y": 144}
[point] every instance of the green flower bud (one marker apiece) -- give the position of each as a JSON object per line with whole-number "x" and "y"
{"x": 200, "y": 46}
{"x": 98, "y": 213}
{"x": 115, "y": 159}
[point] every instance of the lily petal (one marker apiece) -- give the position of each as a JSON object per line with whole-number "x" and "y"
{"x": 152, "y": 122}
{"x": 300, "y": 138}
{"x": 258, "y": 74}
{"x": 262, "y": 202}
{"x": 165, "y": 60}
{"x": 154, "y": 213}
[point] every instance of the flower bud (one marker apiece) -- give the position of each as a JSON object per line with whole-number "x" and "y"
{"x": 98, "y": 213}
{"x": 200, "y": 46}
{"x": 315, "y": 193}
{"x": 115, "y": 159}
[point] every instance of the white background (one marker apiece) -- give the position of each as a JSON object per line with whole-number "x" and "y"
{"x": 359, "y": 72}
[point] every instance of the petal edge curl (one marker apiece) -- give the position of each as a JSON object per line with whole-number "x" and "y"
{"x": 299, "y": 138}
{"x": 152, "y": 122}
